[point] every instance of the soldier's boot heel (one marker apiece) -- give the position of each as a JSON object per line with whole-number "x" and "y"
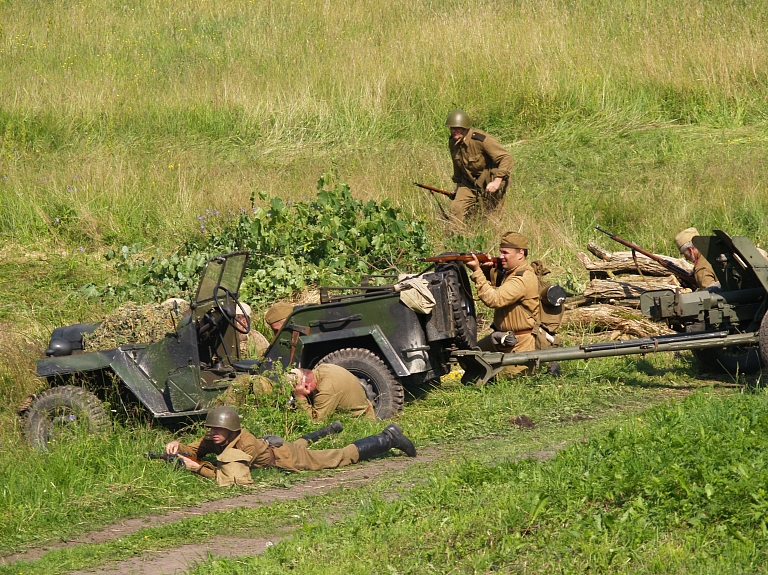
{"x": 335, "y": 427}
{"x": 398, "y": 440}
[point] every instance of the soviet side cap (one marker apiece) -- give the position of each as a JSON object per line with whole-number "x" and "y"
{"x": 246, "y": 307}
{"x": 277, "y": 312}
{"x": 685, "y": 236}
{"x": 514, "y": 240}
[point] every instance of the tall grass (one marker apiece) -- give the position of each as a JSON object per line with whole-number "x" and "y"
{"x": 155, "y": 111}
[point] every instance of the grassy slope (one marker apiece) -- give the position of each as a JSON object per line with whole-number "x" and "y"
{"x": 122, "y": 122}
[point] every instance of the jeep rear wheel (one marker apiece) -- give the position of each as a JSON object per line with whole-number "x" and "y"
{"x": 62, "y": 413}
{"x": 381, "y": 387}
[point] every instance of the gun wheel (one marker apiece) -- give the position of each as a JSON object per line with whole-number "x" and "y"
{"x": 62, "y": 413}
{"x": 386, "y": 394}
{"x": 733, "y": 360}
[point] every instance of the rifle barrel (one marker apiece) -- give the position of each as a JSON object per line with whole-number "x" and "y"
{"x": 684, "y": 275}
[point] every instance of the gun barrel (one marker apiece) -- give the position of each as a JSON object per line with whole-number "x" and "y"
{"x": 481, "y": 366}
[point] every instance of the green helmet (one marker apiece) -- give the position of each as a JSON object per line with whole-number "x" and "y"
{"x": 223, "y": 416}
{"x": 457, "y": 119}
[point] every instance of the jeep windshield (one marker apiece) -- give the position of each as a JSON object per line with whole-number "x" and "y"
{"x": 225, "y": 271}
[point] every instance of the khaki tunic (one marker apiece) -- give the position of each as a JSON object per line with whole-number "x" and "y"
{"x": 478, "y": 159}
{"x": 703, "y": 273}
{"x": 516, "y": 308}
{"x": 233, "y": 460}
{"x": 290, "y": 456}
{"x": 337, "y": 390}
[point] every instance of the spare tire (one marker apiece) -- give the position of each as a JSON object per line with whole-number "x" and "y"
{"x": 462, "y": 305}
{"x": 61, "y": 413}
{"x": 381, "y": 387}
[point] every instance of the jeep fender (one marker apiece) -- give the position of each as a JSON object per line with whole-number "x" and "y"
{"x": 387, "y": 351}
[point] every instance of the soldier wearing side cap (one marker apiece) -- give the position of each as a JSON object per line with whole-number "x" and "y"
{"x": 252, "y": 343}
{"x": 703, "y": 273}
{"x": 329, "y": 388}
{"x": 481, "y": 166}
{"x": 237, "y": 450}
{"x": 277, "y": 314}
{"x": 513, "y": 294}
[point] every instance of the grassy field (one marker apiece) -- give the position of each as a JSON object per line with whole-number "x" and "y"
{"x": 123, "y": 122}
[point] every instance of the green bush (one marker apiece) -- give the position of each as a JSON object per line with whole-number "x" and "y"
{"x": 333, "y": 239}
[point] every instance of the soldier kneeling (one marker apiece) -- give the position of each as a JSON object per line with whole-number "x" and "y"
{"x": 237, "y": 450}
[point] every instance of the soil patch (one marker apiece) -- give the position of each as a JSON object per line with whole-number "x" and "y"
{"x": 184, "y": 558}
{"x": 346, "y": 478}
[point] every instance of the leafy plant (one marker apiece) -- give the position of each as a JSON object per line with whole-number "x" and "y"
{"x": 332, "y": 239}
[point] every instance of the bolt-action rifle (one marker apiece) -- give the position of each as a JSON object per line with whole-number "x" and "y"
{"x": 686, "y": 278}
{"x": 463, "y": 257}
{"x": 431, "y": 189}
{"x": 170, "y": 457}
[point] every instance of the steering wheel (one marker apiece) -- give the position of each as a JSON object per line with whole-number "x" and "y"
{"x": 236, "y": 325}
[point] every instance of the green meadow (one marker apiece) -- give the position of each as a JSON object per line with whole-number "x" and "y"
{"x": 130, "y": 123}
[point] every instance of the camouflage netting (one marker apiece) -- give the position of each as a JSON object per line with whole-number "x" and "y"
{"x": 132, "y": 323}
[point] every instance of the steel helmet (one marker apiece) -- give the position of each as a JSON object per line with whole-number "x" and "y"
{"x": 457, "y": 119}
{"x": 223, "y": 416}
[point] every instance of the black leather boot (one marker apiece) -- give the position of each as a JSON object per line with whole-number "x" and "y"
{"x": 371, "y": 446}
{"x": 392, "y": 436}
{"x": 335, "y": 427}
{"x": 399, "y": 441}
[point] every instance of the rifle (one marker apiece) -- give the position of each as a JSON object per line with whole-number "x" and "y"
{"x": 431, "y": 189}
{"x": 463, "y": 257}
{"x": 170, "y": 457}
{"x": 686, "y": 278}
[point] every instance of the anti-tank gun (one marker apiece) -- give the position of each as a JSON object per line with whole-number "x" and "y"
{"x": 724, "y": 327}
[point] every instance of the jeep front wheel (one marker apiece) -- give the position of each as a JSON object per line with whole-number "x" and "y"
{"x": 381, "y": 387}
{"x": 61, "y": 413}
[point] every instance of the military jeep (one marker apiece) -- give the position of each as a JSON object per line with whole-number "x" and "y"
{"x": 179, "y": 376}
{"x": 368, "y": 330}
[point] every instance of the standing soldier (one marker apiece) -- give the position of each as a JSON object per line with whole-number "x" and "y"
{"x": 703, "y": 273}
{"x": 480, "y": 166}
{"x": 514, "y": 299}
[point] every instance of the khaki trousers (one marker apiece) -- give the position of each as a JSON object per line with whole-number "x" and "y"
{"x": 524, "y": 343}
{"x": 467, "y": 200}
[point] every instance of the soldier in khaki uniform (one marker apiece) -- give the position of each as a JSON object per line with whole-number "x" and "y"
{"x": 481, "y": 166}
{"x": 252, "y": 344}
{"x": 277, "y": 314}
{"x": 703, "y": 273}
{"x": 238, "y": 450}
{"x": 329, "y": 388}
{"x": 514, "y": 295}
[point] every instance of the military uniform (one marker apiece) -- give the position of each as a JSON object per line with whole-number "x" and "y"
{"x": 234, "y": 468}
{"x": 514, "y": 297}
{"x": 478, "y": 159}
{"x": 233, "y": 460}
{"x": 337, "y": 390}
{"x": 704, "y": 273}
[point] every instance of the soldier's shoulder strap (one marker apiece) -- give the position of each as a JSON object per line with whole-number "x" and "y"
{"x": 479, "y": 136}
